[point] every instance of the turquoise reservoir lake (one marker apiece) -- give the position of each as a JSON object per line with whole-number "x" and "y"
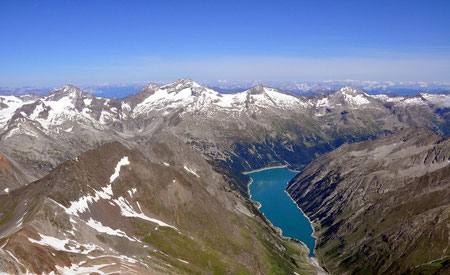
{"x": 268, "y": 188}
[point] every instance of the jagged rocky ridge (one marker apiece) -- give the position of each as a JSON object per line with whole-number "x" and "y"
{"x": 243, "y": 131}
{"x": 112, "y": 210}
{"x": 381, "y": 207}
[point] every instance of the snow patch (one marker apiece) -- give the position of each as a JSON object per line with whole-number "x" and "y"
{"x": 98, "y": 226}
{"x": 82, "y": 204}
{"x": 437, "y": 99}
{"x": 124, "y": 161}
{"x": 356, "y": 99}
{"x": 37, "y": 110}
{"x": 323, "y": 102}
{"x": 190, "y": 171}
{"x": 13, "y": 103}
{"x": 132, "y": 191}
{"x": 60, "y": 245}
{"x": 87, "y": 101}
{"x": 183, "y": 261}
{"x": 127, "y": 211}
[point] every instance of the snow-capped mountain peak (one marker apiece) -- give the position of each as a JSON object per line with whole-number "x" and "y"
{"x": 9, "y": 105}
{"x": 350, "y": 96}
{"x": 67, "y": 90}
{"x": 181, "y": 84}
{"x": 442, "y": 100}
{"x": 183, "y": 92}
{"x": 348, "y": 90}
{"x": 66, "y": 107}
{"x": 151, "y": 86}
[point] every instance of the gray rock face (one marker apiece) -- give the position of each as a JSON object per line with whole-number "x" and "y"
{"x": 380, "y": 206}
{"x": 242, "y": 131}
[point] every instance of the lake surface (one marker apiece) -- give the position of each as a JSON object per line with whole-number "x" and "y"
{"x": 268, "y": 188}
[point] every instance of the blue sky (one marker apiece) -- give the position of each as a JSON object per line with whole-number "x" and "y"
{"x": 88, "y": 42}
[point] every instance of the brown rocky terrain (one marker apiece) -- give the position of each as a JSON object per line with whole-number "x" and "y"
{"x": 113, "y": 210}
{"x": 381, "y": 207}
{"x": 11, "y": 177}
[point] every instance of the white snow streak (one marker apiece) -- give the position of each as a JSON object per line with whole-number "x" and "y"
{"x": 127, "y": 211}
{"x": 82, "y": 204}
{"x": 108, "y": 230}
{"x": 124, "y": 161}
{"x": 190, "y": 171}
{"x": 60, "y": 245}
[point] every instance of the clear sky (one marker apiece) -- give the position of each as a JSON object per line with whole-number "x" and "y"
{"x": 86, "y": 42}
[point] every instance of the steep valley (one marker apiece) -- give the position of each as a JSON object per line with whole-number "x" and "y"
{"x": 154, "y": 181}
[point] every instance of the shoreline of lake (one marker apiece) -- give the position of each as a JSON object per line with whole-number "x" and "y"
{"x": 282, "y": 205}
{"x": 265, "y": 168}
{"x": 313, "y": 234}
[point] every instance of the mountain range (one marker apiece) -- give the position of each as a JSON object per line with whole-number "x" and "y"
{"x": 154, "y": 180}
{"x": 121, "y": 90}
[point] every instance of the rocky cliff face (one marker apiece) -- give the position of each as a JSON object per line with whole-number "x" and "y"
{"x": 380, "y": 206}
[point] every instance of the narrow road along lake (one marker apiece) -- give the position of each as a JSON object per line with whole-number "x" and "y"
{"x": 268, "y": 188}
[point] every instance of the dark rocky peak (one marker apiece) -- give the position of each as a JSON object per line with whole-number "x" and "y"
{"x": 260, "y": 89}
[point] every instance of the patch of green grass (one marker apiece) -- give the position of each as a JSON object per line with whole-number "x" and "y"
{"x": 8, "y": 216}
{"x": 178, "y": 246}
{"x": 279, "y": 261}
{"x": 432, "y": 268}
